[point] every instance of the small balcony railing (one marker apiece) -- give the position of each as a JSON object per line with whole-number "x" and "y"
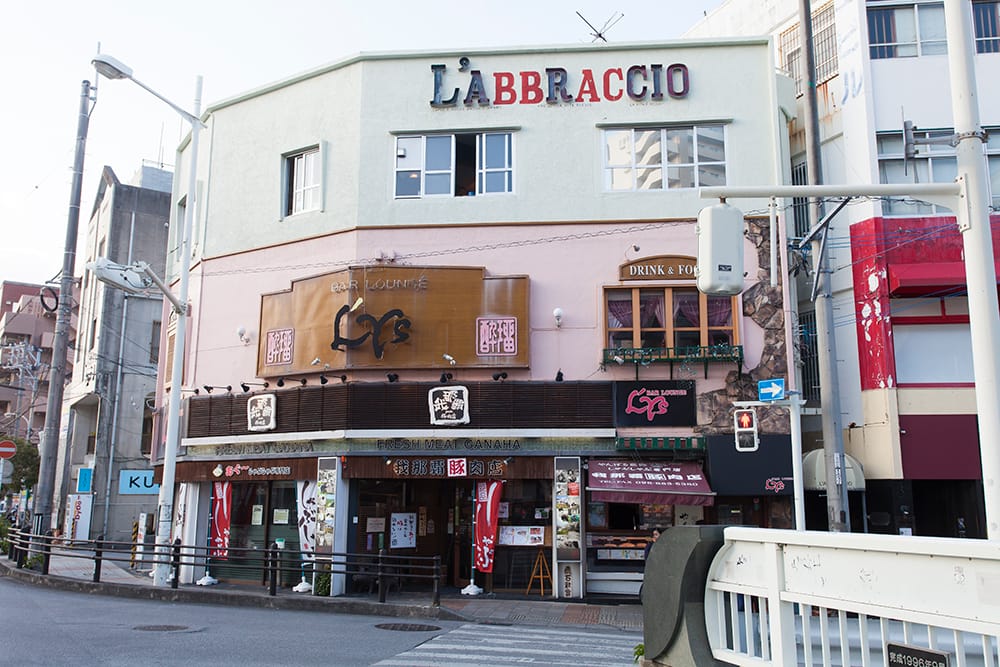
{"x": 704, "y": 354}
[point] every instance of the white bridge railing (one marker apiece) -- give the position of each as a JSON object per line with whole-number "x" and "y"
{"x": 782, "y": 597}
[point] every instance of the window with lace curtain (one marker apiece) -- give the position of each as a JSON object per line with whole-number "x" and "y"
{"x": 674, "y": 317}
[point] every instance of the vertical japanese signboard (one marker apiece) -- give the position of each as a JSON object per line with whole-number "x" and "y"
{"x": 567, "y": 501}
{"x": 326, "y": 504}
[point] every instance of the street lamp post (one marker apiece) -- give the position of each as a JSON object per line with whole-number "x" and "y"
{"x": 113, "y": 69}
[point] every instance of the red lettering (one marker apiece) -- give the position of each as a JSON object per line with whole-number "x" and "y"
{"x": 531, "y": 88}
{"x": 503, "y": 85}
{"x": 608, "y": 95}
{"x": 588, "y": 88}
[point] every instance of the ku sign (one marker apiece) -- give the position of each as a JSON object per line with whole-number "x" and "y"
{"x": 137, "y": 482}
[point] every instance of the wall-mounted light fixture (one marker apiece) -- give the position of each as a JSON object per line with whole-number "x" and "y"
{"x": 193, "y": 390}
{"x": 244, "y": 337}
{"x": 281, "y": 381}
{"x": 245, "y": 386}
{"x": 445, "y": 377}
{"x": 508, "y": 460}
{"x": 316, "y": 362}
{"x": 392, "y": 377}
{"x": 500, "y": 377}
{"x": 447, "y": 357}
{"x": 558, "y": 315}
{"x": 386, "y": 460}
{"x": 210, "y": 387}
{"x": 323, "y": 379}
{"x": 343, "y": 379}
{"x": 559, "y": 375}
{"x": 618, "y": 359}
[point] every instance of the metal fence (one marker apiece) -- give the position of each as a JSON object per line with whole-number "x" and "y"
{"x": 382, "y": 572}
{"x": 779, "y": 597}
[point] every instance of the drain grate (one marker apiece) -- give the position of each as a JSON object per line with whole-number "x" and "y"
{"x": 408, "y": 627}
{"x": 160, "y": 628}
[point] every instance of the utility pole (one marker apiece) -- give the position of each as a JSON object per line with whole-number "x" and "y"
{"x": 49, "y": 443}
{"x": 977, "y": 242}
{"x": 837, "y": 509}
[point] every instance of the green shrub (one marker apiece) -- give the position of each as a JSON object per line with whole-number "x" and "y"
{"x": 638, "y": 652}
{"x": 321, "y": 586}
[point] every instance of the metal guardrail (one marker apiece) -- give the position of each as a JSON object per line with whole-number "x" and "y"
{"x": 781, "y": 597}
{"x": 382, "y": 569}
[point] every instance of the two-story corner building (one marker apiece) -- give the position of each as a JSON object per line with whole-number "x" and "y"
{"x": 900, "y": 308}
{"x": 104, "y": 476}
{"x": 417, "y": 274}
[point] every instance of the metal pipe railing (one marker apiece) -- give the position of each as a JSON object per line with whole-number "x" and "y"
{"x": 271, "y": 563}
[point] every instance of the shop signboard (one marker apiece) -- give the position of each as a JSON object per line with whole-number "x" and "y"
{"x": 78, "y": 510}
{"x": 655, "y": 403}
{"x": 260, "y": 412}
{"x": 326, "y": 504}
{"x": 449, "y": 405}
{"x": 567, "y": 500}
{"x": 395, "y": 317}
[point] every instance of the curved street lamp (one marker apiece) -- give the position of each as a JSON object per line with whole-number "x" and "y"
{"x": 113, "y": 69}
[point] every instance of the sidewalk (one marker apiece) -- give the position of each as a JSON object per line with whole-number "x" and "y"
{"x": 69, "y": 573}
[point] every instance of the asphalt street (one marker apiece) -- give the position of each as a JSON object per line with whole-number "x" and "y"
{"x": 43, "y": 626}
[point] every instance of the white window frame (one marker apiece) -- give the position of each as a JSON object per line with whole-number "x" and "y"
{"x": 294, "y": 191}
{"x": 934, "y": 163}
{"x": 636, "y": 164}
{"x": 404, "y": 164}
{"x": 987, "y": 27}
{"x": 923, "y": 42}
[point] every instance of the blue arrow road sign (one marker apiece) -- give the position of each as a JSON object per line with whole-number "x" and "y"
{"x": 771, "y": 390}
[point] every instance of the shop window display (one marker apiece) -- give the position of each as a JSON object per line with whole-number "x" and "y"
{"x": 619, "y": 532}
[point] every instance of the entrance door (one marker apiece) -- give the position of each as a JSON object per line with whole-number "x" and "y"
{"x": 261, "y": 513}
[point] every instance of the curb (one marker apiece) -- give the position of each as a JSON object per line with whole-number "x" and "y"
{"x": 335, "y": 605}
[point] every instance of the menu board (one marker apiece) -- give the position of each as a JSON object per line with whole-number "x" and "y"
{"x": 567, "y": 508}
{"x": 522, "y": 536}
{"x": 403, "y": 530}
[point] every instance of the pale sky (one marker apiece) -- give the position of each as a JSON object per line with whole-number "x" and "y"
{"x": 236, "y": 47}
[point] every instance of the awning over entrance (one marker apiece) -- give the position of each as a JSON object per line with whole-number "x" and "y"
{"x": 691, "y": 444}
{"x": 648, "y": 482}
{"x": 925, "y": 277}
{"x": 814, "y": 472}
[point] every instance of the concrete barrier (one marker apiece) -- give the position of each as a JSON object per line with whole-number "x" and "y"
{"x": 673, "y": 597}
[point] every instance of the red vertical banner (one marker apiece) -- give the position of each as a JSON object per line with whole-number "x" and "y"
{"x": 487, "y": 523}
{"x": 222, "y": 500}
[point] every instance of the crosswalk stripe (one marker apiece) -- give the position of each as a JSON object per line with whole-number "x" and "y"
{"x": 520, "y": 645}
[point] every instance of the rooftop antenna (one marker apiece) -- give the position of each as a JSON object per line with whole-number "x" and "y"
{"x": 599, "y": 34}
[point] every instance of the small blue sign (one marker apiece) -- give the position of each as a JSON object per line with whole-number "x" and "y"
{"x": 84, "y": 480}
{"x": 771, "y": 390}
{"x": 137, "y": 482}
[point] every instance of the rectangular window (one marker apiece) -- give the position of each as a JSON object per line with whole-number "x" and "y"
{"x": 824, "y": 30}
{"x": 934, "y": 163}
{"x": 668, "y": 317}
{"x": 808, "y": 353}
{"x": 664, "y": 158}
{"x": 986, "y": 17}
{"x": 302, "y": 181}
{"x": 900, "y": 31}
{"x": 146, "y": 439}
{"x": 458, "y": 165}
{"x": 154, "y": 343}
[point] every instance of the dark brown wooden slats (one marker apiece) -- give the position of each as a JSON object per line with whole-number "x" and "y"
{"x": 379, "y": 405}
